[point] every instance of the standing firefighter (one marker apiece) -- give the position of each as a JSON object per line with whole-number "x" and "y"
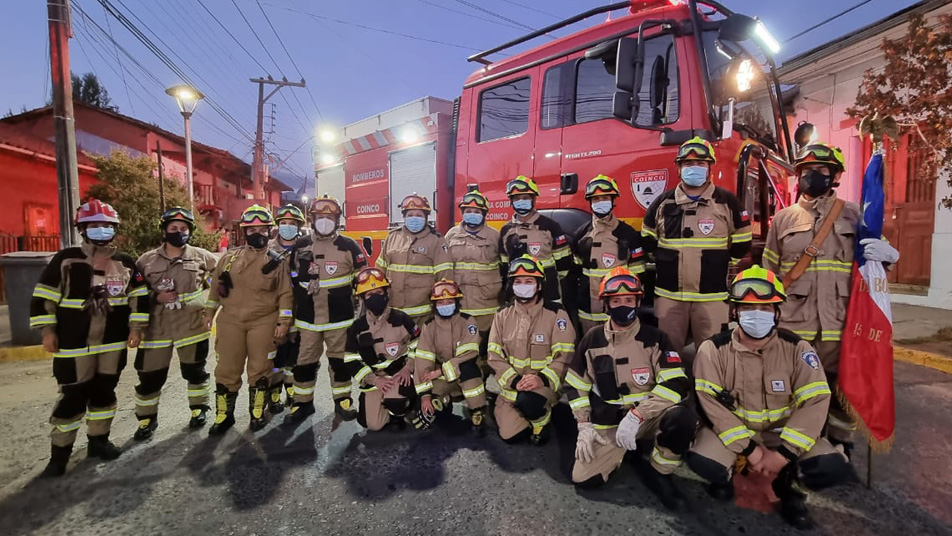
{"x": 323, "y": 276}
{"x": 91, "y": 303}
{"x": 811, "y": 246}
{"x": 413, "y": 257}
{"x": 178, "y": 275}
{"x": 379, "y": 354}
{"x": 605, "y": 243}
{"x": 538, "y": 236}
{"x": 764, "y": 399}
{"x": 530, "y": 344}
{"x": 253, "y": 288}
{"x": 695, "y": 232}
{"x": 626, "y": 383}
{"x": 445, "y": 363}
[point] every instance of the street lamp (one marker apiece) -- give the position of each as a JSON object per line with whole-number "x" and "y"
{"x": 187, "y": 99}
{"x": 327, "y": 135}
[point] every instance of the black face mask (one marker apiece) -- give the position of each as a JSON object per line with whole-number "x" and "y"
{"x": 257, "y": 241}
{"x": 376, "y": 303}
{"x": 623, "y": 315}
{"x": 177, "y": 239}
{"x": 814, "y": 184}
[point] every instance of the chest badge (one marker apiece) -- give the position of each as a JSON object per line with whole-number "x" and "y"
{"x": 330, "y": 267}
{"x": 778, "y": 386}
{"x": 314, "y": 269}
{"x": 535, "y": 248}
{"x": 608, "y": 260}
{"x": 641, "y": 375}
{"x": 115, "y": 286}
{"x": 420, "y": 249}
{"x": 392, "y": 348}
{"x": 562, "y": 324}
{"x": 705, "y": 226}
{"x": 539, "y": 337}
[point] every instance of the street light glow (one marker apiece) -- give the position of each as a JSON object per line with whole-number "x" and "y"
{"x": 410, "y": 135}
{"x": 328, "y": 159}
{"x": 327, "y": 135}
{"x": 186, "y": 97}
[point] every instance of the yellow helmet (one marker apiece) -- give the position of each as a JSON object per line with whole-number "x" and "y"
{"x": 474, "y": 199}
{"x": 368, "y": 279}
{"x": 757, "y": 285}
{"x": 601, "y": 185}
{"x": 255, "y": 215}
{"x": 526, "y": 266}
{"x": 290, "y": 212}
{"x": 445, "y": 289}
{"x": 325, "y": 206}
{"x": 820, "y": 153}
{"x": 695, "y": 149}
{"x": 521, "y": 185}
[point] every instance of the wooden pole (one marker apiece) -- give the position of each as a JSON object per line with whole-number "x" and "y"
{"x": 158, "y": 150}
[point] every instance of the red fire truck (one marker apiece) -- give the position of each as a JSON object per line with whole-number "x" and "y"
{"x": 617, "y": 98}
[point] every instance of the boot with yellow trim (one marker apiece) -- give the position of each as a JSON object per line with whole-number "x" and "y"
{"x": 299, "y": 412}
{"x": 289, "y": 395}
{"x": 793, "y": 499}
{"x": 275, "y": 405}
{"x": 257, "y": 403}
{"x": 477, "y": 420}
{"x": 344, "y": 408}
{"x": 59, "y": 458}
{"x": 224, "y": 410}
{"x": 147, "y": 426}
{"x": 540, "y": 435}
{"x": 199, "y": 416}
{"x": 100, "y": 447}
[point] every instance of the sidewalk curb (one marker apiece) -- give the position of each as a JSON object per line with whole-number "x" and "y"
{"x": 23, "y": 353}
{"x": 923, "y": 359}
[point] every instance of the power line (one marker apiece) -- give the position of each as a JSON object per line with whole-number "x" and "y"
{"x": 469, "y": 15}
{"x": 235, "y": 39}
{"x": 122, "y": 71}
{"x": 496, "y": 15}
{"x": 281, "y": 41}
{"x": 530, "y": 8}
{"x": 834, "y": 17}
{"x": 252, "y": 28}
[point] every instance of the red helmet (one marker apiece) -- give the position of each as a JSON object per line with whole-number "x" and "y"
{"x": 95, "y": 211}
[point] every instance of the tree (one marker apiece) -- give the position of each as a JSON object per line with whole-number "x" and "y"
{"x": 86, "y": 88}
{"x": 915, "y": 87}
{"x": 130, "y": 185}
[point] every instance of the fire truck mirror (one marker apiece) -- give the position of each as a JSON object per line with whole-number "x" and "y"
{"x": 368, "y": 245}
{"x": 626, "y": 58}
{"x": 623, "y": 106}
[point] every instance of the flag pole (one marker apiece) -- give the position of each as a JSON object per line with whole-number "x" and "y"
{"x": 869, "y": 466}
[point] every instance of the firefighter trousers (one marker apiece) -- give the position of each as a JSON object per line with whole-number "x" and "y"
{"x": 702, "y": 320}
{"x": 285, "y": 359}
{"x": 517, "y": 411}
{"x": 376, "y": 408}
{"x": 839, "y": 425}
{"x": 313, "y": 344}
{"x": 472, "y": 390}
{"x": 87, "y": 386}
{"x": 152, "y": 365}
{"x": 671, "y": 433}
{"x": 239, "y": 343}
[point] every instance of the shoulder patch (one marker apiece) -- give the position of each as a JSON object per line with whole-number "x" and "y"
{"x": 562, "y": 324}
{"x": 811, "y": 359}
{"x": 788, "y": 336}
{"x": 721, "y": 339}
{"x": 473, "y": 330}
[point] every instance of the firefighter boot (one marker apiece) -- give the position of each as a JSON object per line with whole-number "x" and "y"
{"x": 540, "y": 435}
{"x": 100, "y": 447}
{"x": 147, "y": 426}
{"x": 289, "y": 395}
{"x": 722, "y": 491}
{"x": 793, "y": 501}
{"x": 299, "y": 412}
{"x": 477, "y": 420}
{"x": 275, "y": 405}
{"x": 662, "y": 485}
{"x": 59, "y": 457}
{"x": 257, "y": 403}
{"x": 198, "y": 416}
{"x": 224, "y": 410}
{"x": 344, "y": 408}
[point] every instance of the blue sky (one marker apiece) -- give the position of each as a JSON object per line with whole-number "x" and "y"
{"x": 350, "y": 53}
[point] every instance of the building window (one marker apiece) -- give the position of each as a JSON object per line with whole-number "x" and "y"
{"x": 504, "y": 110}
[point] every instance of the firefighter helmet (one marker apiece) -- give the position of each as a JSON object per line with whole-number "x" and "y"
{"x": 526, "y": 266}
{"x": 290, "y": 212}
{"x": 757, "y": 285}
{"x": 601, "y": 185}
{"x": 325, "y": 206}
{"x": 445, "y": 289}
{"x": 95, "y": 211}
{"x": 368, "y": 279}
{"x": 256, "y": 215}
{"x": 821, "y": 153}
{"x": 695, "y": 149}
{"x": 620, "y": 282}
{"x": 521, "y": 185}
{"x": 414, "y": 202}
{"x": 177, "y": 214}
{"x": 474, "y": 199}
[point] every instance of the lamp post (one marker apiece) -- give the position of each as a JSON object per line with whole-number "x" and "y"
{"x": 187, "y": 99}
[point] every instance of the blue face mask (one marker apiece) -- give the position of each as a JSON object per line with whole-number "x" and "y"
{"x": 446, "y": 311}
{"x": 694, "y": 175}
{"x": 602, "y": 208}
{"x": 415, "y": 224}
{"x": 100, "y": 234}
{"x": 522, "y": 206}
{"x": 473, "y": 218}
{"x": 287, "y": 231}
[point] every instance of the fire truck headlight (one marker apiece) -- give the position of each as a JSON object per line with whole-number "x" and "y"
{"x": 767, "y": 40}
{"x": 745, "y": 75}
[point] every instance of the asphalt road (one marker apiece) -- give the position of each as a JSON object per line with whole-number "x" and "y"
{"x": 331, "y": 478}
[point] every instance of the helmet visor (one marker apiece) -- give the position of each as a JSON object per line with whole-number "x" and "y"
{"x": 755, "y": 290}
{"x": 365, "y": 275}
{"x": 694, "y": 152}
{"x": 623, "y": 284}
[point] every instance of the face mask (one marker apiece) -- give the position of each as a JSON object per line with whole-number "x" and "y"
{"x": 415, "y": 224}
{"x": 525, "y": 291}
{"x": 376, "y": 303}
{"x": 288, "y": 232}
{"x": 257, "y": 241}
{"x": 756, "y": 324}
{"x": 522, "y": 206}
{"x": 473, "y": 219}
{"x": 623, "y": 315}
{"x": 324, "y": 226}
{"x": 602, "y": 208}
{"x": 100, "y": 234}
{"x": 814, "y": 184}
{"x": 446, "y": 311}
{"x": 694, "y": 175}
{"x": 177, "y": 239}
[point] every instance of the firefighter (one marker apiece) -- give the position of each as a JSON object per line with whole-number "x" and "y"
{"x": 379, "y": 354}
{"x": 764, "y": 398}
{"x": 530, "y": 343}
{"x": 538, "y": 236}
{"x": 627, "y": 383}
{"x": 178, "y": 275}
{"x": 323, "y": 275}
{"x": 695, "y": 231}
{"x": 446, "y": 367}
{"x": 290, "y": 220}
{"x": 605, "y": 243}
{"x": 91, "y": 304}
{"x": 413, "y": 257}
{"x": 818, "y": 293}
{"x": 253, "y": 288}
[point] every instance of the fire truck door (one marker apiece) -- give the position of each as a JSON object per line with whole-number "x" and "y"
{"x": 547, "y": 150}
{"x": 412, "y": 170}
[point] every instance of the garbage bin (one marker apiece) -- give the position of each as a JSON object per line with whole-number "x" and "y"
{"x": 21, "y": 271}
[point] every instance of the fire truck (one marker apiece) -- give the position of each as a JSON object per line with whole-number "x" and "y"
{"x": 616, "y": 98}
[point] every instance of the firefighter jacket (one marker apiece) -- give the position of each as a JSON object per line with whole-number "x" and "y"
{"x": 615, "y": 371}
{"x": 816, "y": 302}
{"x": 542, "y": 238}
{"x": 413, "y": 262}
{"x": 91, "y": 309}
{"x": 781, "y": 387}
{"x": 694, "y": 242}
{"x": 604, "y": 244}
{"x": 252, "y": 295}
{"x": 379, "y": 345}
{"x": 451, "y": 344}
{"x": 323, "y": 274}
{"x": 177, "y": 324}
{"x": 536, "y": 338}
{"x": 476, "y": 268}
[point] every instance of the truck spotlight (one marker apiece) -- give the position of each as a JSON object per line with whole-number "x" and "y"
{"x": 745, "y": 75}
{"x": 766, "y": 39}
{"x": 327, "y": 135}
{"x": 409, "y": 135}
{"x": 805, "y": 135}
{"x": 328, "y": 159}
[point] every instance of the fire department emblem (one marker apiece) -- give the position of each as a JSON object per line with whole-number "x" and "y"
{"x": 705, "y": 226}
{"x": 115, "y": 286}
{"x": 535, "y": 248}
{"x": 641, "y": 375}
{"x": 539, "y": 337}
{"x": 778, "y": 386}
{"x": 608, "y": 260}
{"x": 562, "y": 324}
{"x": 647, "y": 185}
{"x": 330, "y": 267}
{"x": 420, "y": 249}
{"x": 392, "y": 348}
{"x": 810, "y": 358}
{"x": 472, "y": 329}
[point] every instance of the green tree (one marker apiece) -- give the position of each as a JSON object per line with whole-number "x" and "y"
{"x": 130, "y": 185}
{"x": 88, "y": 89}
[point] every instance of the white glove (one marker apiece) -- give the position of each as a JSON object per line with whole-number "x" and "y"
{"x": 627, "y": 435}
{"x": 174, "y": 305}
{"x": 587, "y": 438}
{"x": 878, "y": 250}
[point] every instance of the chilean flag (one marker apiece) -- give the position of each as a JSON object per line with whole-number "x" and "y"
{"x": 865, "y": 382}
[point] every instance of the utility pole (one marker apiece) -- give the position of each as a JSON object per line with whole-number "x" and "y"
{"x": 259, "y": 174}
{"x": 64, "y": 127}
{"x": 158, "y": 150}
